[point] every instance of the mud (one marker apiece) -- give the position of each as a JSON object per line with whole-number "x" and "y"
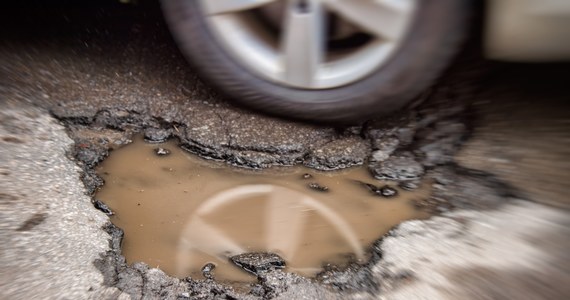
{"x": 157, "y": 200}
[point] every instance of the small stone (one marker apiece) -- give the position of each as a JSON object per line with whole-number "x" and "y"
{"x": 388, "y": 191}
{"x": 207, "y": 270}
{"x": 317, "y": 187}
{"x": 184, "y": 295}
{"x": 103, "y": 207}
{"x": 384, "y": 191}
{"x": 258, "y": 262}
{"x": 161, "y": 151}
{"x": 307, "y": 176}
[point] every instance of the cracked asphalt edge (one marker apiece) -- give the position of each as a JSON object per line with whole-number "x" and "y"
{"x": 95, "y": 138}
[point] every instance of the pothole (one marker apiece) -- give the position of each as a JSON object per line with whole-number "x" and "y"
{"x": 181, "y": 213}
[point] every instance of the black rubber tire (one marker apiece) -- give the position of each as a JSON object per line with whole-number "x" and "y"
{"x": 434, "y": 38}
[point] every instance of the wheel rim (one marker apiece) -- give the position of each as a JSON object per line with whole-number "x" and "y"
{"x": 299, "y": 52}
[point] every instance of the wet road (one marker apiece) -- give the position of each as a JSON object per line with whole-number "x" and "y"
{"x": 493, "y": 137}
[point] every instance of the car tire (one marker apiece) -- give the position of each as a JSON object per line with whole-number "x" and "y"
{"x": 432, "y": 40}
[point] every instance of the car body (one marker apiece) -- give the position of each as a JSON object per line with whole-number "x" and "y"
{"x": 527, "y": 30}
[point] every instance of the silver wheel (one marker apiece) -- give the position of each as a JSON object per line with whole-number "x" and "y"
{"x": 295, "y": 42}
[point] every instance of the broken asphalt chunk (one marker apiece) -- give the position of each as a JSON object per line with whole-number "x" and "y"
{"x": 258, "y": 262}
{"x": 102, "y": 207}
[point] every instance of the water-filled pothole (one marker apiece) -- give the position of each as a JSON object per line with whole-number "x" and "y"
{"x": 180, "y": 212}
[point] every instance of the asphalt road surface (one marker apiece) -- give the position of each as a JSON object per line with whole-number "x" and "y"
{"x": 77, "y": 81}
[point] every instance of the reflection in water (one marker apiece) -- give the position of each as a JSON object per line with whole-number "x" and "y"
{"x": 180, "y": 212}
{"x": 285, "y": 220}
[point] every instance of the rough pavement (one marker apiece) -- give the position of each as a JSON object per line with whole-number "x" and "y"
{"x": 516, "y": 252}
{"x": 49, "y": 229}
{"x": 111, "y": 70}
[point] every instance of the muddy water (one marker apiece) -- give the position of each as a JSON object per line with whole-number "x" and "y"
{"x": 180, "y": 212}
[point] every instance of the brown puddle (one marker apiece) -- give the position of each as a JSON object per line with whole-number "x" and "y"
{"x": 180, "y": 212}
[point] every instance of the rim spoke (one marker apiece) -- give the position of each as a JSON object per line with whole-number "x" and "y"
{"x": 383, "y": 18}
{"x": 303, "y": 41}
{"x": 285, "y": 222}
{"x": 216, "y": 7}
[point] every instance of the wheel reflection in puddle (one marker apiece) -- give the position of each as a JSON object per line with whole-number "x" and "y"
{"x": 285, "y": 220}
